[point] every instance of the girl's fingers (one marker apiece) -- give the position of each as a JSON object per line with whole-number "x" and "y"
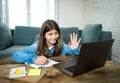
{"x": 41, "y": 60}
{"x": 71, "y": 37}
{"x": 79, "y": 40}
{"x": 44, "y": 59}
{"x": 74, "y": 37}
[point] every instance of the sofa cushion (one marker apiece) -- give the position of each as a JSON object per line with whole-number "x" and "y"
{"x": 5, "y": 36}
{"x": 91, "y": 33}
{"x": 8, "y": 52}
{"x": 37, "y": 37}
{"x": 24, "y": 35}
{"x": 65, "y": 32}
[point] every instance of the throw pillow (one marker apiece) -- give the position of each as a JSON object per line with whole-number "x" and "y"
{"x": 5, "y": 36}
{"x": 91, "y": 33}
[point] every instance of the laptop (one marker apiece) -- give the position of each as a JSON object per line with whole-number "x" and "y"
{"x": 92, "y": 55}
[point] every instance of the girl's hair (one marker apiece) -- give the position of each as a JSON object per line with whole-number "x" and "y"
{"x": 42, "y": 48}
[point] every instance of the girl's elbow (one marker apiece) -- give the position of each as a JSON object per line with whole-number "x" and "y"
{"x": 16, "y": 58}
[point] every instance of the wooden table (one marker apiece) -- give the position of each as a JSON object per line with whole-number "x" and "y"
{"x": 110, "y": 73}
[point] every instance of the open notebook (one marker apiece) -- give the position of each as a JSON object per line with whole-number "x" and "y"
{"x": 50, "y": 63}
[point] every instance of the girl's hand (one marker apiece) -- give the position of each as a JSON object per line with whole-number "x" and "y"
{"x": 74, "y": 43}
{"x": 41, "y": 60}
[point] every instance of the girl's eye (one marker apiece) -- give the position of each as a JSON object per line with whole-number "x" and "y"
{"x": 56, "y": 33}
{"x": 50, "y": 34}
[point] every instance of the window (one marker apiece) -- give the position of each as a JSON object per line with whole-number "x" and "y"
{"x": 3, "y": 11}
{"x": 30, "y": 12}
{"x": 17, "y": 13}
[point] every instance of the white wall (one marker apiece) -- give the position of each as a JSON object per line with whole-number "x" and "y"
{"x": 106, "y": 12}
{"x": 70, "y": 13}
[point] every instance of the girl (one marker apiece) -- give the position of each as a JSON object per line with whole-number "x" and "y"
{"x": 49, "y": 44}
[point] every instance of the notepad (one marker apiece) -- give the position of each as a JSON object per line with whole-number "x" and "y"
{"x": 33, "y": 72}
{"x": 17, "y": 72}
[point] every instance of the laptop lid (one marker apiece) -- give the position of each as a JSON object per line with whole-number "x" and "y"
{"x": 92, "y": 55}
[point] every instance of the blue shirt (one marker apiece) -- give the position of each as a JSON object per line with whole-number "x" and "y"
{"x": 29, "y": 54}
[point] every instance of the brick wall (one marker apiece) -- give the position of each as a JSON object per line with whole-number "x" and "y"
{"x": 106, "y": 12}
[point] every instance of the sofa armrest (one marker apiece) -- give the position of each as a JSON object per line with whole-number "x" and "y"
{"x": 106, "y": 35}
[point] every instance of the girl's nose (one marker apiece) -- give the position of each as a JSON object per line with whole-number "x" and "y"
{"x": 54, "y": 36}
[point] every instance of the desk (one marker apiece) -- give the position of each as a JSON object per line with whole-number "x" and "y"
{"x": 110, "y": 73}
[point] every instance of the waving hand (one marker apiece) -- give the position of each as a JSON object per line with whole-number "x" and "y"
{"x": 74, "y": 43}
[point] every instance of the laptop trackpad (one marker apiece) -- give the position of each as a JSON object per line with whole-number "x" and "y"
{"x": 71, "y": 68}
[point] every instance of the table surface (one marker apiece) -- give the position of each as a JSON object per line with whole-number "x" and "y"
{"x": 108, "y": 74}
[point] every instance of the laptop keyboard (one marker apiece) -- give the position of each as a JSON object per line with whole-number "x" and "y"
{"x": 71, "y": 68}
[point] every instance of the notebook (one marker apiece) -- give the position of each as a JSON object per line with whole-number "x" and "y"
{"x": 92, "y": 55}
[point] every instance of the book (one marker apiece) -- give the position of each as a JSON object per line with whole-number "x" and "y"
{"x": 33, "y": 72}
{"x": 17, "y": 72}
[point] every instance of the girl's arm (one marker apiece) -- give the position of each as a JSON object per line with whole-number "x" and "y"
{"x": 26, "y": 55}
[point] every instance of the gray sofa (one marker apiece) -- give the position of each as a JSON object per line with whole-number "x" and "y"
{"x": 23, "y": 36}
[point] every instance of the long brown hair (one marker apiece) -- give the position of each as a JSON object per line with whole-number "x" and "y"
{"x": 42, "y": 48}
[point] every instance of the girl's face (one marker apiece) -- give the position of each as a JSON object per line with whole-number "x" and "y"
{"x": 51, "y": 37}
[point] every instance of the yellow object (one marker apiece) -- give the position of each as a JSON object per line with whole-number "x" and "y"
{"x": 32, "y": 72}
{"x": 18, "y": 72}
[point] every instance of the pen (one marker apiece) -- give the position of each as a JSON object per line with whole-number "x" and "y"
{"x": 41, "y": 67}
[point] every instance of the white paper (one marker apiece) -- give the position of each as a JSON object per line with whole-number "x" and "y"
{"x": 50, "y": 63}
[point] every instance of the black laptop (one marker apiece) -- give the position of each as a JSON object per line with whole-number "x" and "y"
{"x": 92, "y": 55}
